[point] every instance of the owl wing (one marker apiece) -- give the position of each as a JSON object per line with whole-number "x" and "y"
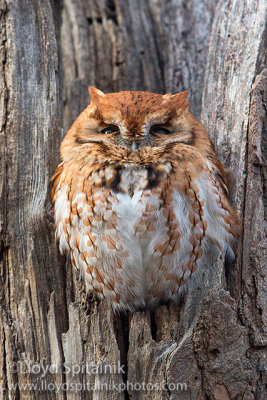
{"x": 95, "y": 224}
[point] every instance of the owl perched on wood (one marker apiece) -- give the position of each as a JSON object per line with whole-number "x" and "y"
{"x": 140, "y": 197}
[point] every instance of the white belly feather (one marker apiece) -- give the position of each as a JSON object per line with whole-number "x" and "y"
{"x": 133, "y": 266}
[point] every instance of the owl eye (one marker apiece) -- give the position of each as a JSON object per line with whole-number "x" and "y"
{"x": 110, "y": 129}
{"x": 160, "y": 130}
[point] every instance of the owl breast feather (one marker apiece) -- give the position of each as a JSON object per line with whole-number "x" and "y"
{"x": 136, "y": 235}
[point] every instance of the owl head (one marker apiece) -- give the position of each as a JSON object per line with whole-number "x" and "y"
{"x": 135, "y": 128}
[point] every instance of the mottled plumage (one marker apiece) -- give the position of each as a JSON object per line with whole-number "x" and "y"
{"x": 140, "y": 197}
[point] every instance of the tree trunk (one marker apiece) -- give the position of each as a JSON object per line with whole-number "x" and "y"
{"x": 210, "y": 345}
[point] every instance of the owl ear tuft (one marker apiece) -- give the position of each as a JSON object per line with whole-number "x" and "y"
{"x": 180, "y": 101}
{"x": 167, "y": 96}
{"x": 95, "y": 94}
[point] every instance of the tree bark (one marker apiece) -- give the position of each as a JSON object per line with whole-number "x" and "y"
{"x": 209, "y": 346}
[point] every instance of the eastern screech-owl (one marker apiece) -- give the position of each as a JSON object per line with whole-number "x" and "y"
{"x": 140, "y": 197}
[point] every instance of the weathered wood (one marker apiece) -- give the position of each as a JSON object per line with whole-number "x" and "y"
{"x": 31, "y": 114}
{"x": 213, "y": 341}
{"x": 156, "y": 45}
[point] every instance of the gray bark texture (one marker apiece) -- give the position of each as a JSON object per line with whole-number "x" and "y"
{"x": 212, "y": 345}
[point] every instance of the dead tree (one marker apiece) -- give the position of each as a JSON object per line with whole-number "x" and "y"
{"x": 213, "y": 340}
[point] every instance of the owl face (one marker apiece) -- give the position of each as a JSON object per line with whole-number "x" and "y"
{"x": 134, "y": 128}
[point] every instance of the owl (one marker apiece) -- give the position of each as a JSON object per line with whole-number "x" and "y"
{"x": 140, "y": 198}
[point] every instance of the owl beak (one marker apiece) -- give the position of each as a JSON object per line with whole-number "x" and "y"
{"x": 134, "y": 146}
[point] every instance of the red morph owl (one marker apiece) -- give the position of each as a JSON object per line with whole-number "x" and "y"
{"x": 140, "y": 198}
